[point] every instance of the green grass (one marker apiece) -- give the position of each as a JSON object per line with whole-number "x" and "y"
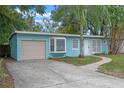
{"x": 78, "y": 61}
{"x": 115, "y": 68}
{"x": 5, "y": 78}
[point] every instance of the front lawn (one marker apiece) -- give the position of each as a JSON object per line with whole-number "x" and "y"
{"x": 115, "y": 68}
{"x": 6, "y": 80}
{"x": 78, "y": 61}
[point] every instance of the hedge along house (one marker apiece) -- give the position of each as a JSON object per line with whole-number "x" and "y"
{"x": 39, "y": 45}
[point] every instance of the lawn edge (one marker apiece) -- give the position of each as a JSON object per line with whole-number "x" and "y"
{"x": 100, "y": 59}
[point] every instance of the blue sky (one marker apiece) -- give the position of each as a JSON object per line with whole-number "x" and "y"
{"x": 48, "y": 10}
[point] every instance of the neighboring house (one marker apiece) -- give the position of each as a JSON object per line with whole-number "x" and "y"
{"x": 38, "y": 45}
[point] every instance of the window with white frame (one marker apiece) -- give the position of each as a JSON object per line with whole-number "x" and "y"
{"x": 57, "y": 45}
{"x": 75, "y": 44}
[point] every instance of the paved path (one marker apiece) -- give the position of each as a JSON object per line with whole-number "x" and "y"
{"x": 46, "y": 73}
{"x": 94, "y": 66}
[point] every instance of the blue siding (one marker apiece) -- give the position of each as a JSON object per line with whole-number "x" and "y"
{"x": 21, "y": 37}
{"x": 104, "y": 46}
{"x": 13, "y": 47}
{"x": 70, "y": 51}
{"x": 16, "y": 53}
{"x": 56, "y": 55}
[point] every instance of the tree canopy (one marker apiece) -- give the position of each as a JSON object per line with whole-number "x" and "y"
{"x": 101, "y": 20}
{"x": 18, "y": 17}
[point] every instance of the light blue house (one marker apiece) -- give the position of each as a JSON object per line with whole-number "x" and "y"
{"x": 38, "y": 45}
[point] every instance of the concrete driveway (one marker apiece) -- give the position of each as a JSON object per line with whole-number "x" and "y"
{"x": 47, "y": 73}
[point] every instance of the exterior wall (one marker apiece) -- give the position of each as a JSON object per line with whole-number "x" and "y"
{"x": 70, "y": 51}
{"x": 15, "y": 44}
{"x": 21, "y": 37}
{"x": 87, "y": 48}
{"x": 13, "y": 47}
{"x": 104, "y": 46}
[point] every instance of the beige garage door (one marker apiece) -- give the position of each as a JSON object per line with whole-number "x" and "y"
{"x": 33, "y": 50}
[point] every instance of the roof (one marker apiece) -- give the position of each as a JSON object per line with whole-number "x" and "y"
{"x": 54, "y": 34}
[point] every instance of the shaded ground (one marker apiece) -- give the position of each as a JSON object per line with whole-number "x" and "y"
{"x": 47, "y": 73}
{"x": 114, "y": 68}
{"x": 6, "y": 80}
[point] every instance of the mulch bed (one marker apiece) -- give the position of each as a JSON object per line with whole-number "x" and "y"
{"x": 7, "y": 81}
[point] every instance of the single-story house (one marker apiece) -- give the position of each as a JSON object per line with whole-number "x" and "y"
{"x": 39, "y": 45}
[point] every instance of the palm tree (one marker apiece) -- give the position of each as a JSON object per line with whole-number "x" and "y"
{"x": 80, "y": 14}
{"x": 97, "y": 16}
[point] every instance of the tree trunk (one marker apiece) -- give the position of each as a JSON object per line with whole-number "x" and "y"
{"x": 81, "y": 42}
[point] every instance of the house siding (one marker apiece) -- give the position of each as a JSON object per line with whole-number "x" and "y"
{"x": 69, "y": 47}
{"x": 16, "y": 46}
{"x": 22, "y": 37}
{"x": 104, "y": 46}
{"x": 13, "y": 47}
{"x": 69, "y": 51}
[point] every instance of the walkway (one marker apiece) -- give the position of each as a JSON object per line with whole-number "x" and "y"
{"x": 94, "y": 66}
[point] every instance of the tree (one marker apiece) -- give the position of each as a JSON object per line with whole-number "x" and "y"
{"x": 98, "y": 16}
{"x": 68, "y": 25}
{"x": 29, "y": 12}
{"x": 116, "y": 28}
{"x": 37, "y": 27}
{"x": 50, "y": 25}
{"x": 108, "y": 21}
{"x": 101, "y": 20}
{"x": 80, "y": 13}
{"x": 6, "y": 23}
{"x": 16, "y": 18}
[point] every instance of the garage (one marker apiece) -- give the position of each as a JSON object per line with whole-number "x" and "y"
{"x": 33, "y": 50}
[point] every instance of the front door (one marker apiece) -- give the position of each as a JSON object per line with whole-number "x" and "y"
{"x": 95, "y": 46}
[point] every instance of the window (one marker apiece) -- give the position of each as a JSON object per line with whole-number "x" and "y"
{"x": 57, "y": 45}
{"x": 75, "y": 44}
{"x": 60, "y": 45}
{"x": 52, "y": 45}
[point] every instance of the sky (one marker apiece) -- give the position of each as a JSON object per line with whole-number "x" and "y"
{"x": 47, "y": 13}
{"x": 49, "y": 8}
{"x": 43, "y": 19}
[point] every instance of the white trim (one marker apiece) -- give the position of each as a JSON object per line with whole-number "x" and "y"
{"x": 54, "y": 45}
{"x": 55, "y": 39}
{"x": 50, "y": 45}
{"x": 56, "y": 34}
{"x": 78, "y": 44}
